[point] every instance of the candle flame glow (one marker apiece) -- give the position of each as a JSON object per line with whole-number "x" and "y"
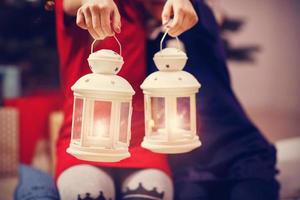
{"x": 100, "y": 128}
{"x": 176, "y": 122}
{"x": 151, "y": 123}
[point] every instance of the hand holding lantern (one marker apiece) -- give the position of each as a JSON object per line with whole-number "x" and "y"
{"x": 170, "y": 106}
{"x": 102, "y": 110}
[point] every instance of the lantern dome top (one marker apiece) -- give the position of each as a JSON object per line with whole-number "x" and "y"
{"x": 103, "y": 84}
{"x": 171, "y": 52}
{"x": 170, "y": 81}
{"x": 105, "y": 53}
{"x": 105, "y": 61}
{"x": 170, "y": 59}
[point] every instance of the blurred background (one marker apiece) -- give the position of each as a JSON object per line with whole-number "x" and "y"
{"x": 262, "y": 44}
{"x": 268, "y": 85}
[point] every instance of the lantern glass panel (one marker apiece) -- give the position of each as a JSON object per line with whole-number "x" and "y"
{"x": 158, "y": 115}
{"x": 102, "y": 115}
{"x": 184, "y": 113}
{"x": 77, "y": 118}
{"x": 124, "y": 122}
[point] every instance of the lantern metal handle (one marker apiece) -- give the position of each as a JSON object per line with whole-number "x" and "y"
{"x": 92, "y": 46}
{"x": 163, "y": 38}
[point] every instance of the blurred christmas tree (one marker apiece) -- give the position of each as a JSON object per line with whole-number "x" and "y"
{"x": 240, "y": 53}
{"x": 27, "y": 40}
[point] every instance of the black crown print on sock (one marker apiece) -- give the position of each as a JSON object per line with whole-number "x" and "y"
{"x": 140, "y": 193}
{"x": 88, "y": 197}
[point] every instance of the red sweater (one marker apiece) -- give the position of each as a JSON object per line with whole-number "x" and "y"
{"x": 73, "y": 49}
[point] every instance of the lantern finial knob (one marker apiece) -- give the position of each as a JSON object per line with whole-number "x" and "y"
{"x": 105, "y": 61}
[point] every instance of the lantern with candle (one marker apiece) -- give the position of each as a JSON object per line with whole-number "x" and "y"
{"x": 102, "y": 110}
{"x": 170, "y": 105}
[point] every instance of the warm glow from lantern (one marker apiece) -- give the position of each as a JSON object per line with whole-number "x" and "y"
{"x": 100, "y": 128}
{"x": 151, "y": 123}
{"x": 174, "y": 129}
{"x": 176, "y": 122}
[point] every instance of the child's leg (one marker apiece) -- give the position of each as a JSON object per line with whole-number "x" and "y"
{"x": 147, "y": 184}
{"x": 81, "y": 181}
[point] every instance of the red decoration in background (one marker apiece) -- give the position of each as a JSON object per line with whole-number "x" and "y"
{"x": 34, "y": 111}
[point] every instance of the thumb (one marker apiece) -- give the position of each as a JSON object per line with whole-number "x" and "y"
{"x": 166, "y": 13}
{"x": 116, "y": 20}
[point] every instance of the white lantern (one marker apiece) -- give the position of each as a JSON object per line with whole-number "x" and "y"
{"x": 102, "y": 110}
{"x": 170, "y": 105}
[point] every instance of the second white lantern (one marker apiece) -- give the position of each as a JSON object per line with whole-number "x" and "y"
{"x": 170, "y": 105}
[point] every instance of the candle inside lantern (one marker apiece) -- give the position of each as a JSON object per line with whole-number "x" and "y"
{"x": 174, "y": 130}
{"x": 175, "y": 125}
{"x": 102, "y": 113}
{"x": 176, "y": 122}
{"x": 100, "y": 129}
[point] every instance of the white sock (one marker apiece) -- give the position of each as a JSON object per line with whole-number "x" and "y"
{"x": 149, "y": 184}
{"x": 81, "y": 181}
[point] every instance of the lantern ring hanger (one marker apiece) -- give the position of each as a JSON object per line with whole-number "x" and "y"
{"x": 120, "y": 47}
{"x": 163, "y": 38}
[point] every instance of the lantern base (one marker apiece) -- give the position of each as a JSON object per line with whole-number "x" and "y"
{"x": 98, "y": 154}
{"x": 181, "y": 146}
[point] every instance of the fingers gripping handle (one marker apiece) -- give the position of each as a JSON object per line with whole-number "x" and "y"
{"x": 163, "y": 38}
